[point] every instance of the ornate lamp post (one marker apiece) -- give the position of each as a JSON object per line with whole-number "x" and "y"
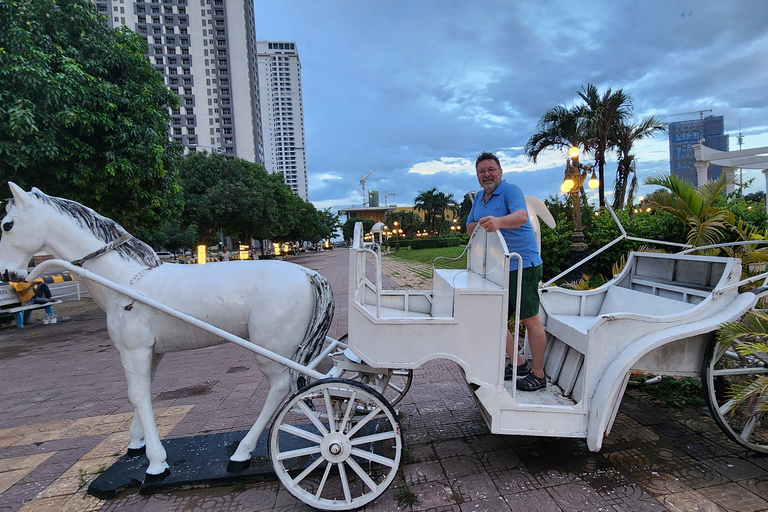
{"x": 397, "y": 232}
{"x": 575, "y": 176}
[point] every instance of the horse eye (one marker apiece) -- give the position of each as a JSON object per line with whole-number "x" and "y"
{"x": 7, "y": 226}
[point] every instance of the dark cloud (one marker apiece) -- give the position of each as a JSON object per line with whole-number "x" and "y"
{"x": 401, "y": 86}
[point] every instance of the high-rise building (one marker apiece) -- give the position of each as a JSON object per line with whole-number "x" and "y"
{"x": 207, "y": 54}
{"x": 282, "y": 113}
{"x": 682, "y": 137}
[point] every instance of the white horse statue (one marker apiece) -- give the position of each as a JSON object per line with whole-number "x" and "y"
{"x": 279, "y": 306}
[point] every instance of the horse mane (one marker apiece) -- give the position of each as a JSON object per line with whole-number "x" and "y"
{"x": 102, "y": 228}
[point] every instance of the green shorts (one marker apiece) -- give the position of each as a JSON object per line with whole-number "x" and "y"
{"x": 529, "y": 294}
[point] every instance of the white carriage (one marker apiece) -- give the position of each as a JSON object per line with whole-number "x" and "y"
{"x": 336, "y": 443}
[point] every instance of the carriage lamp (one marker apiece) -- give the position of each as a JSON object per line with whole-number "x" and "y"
{"x": 202, "y": 250}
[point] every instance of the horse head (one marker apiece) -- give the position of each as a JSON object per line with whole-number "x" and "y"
{"x": 23, "y": 233}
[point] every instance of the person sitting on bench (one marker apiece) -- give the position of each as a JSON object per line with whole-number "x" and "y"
{"x": 36, "y": 292}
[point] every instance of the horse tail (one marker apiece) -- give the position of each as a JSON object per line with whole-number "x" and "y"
{"x": 318, "y": 327}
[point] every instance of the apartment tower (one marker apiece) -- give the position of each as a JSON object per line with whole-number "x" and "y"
{"x": 683, "y": 135}
{"x": 206, "y": 51}
{"x": 282, "y": 113}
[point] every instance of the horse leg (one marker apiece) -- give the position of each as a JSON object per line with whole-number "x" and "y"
{"x": 138, "y": 363}
{"x": 279, "y": 378}
{"x": 136, "y": 446}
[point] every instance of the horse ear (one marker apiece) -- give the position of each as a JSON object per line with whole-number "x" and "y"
{"x": 19, "y": 196}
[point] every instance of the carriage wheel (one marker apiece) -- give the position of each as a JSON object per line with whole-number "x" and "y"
{"x": 393, "y": 384}
{"x": 723, "y": 370}
{"x": 336, "y": 444}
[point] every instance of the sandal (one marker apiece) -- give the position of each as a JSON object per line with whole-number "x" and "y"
{"x": 531, "y": 382}
{"x": 522, "y": 370}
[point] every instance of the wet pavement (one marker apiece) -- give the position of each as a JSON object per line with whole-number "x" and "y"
{"x": 64, "y": 417}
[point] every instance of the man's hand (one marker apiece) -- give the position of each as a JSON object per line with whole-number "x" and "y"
{"x": 490, "y": 223}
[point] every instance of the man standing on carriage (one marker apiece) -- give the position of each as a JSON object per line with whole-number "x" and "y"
{"x": 501, "y": 206}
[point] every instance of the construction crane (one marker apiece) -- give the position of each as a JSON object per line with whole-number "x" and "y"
{"x": 362, "y": 182}
{"x": 386, "y": 197}
{"x": 700, "y": 112}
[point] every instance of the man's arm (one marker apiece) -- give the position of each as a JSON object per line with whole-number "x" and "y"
{"x": 471, "y": 228}
{"x": 510, "y": 221}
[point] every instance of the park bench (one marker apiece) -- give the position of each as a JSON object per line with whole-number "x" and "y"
{"x": 10, "y": 305}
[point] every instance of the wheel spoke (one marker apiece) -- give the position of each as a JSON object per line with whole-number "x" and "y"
{"x": 348, "y": 413}
{"x": 300, "y": 432}
{"x": 312, "y": 415}
{"x": 307, "y": 471}
{"x": 321, "y": 486}
{"x": 329, "y": 408}
{"x": 374, "y": 438}
{"x": 362, "y": 474}
{"x": 299, "y": 452}
{"x": 371, "y": 415}
{"x": 727, "y": 407}
{"x": 749, "y": 428}
{"x": 344, "y": 482}
{"x": 373, "y": 457}
{"x": 723, "y": 372}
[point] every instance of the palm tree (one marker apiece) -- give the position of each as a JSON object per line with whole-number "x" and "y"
{"x": 426, "y": 202}
{"x": 693, "y": 205}
{"x": 444, "y": 203}
{"x": 559, "y": 128}
{"x": 603, "y": 113}
{"x": 624, "y": 137}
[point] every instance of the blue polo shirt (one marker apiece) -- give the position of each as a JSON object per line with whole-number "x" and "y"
{"x": 506, "y": 199}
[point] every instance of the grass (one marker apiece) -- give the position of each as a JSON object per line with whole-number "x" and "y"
{"x": 676, "y": 393}
{"x": 405, "y": 496}
{"x": 427, "y": 256}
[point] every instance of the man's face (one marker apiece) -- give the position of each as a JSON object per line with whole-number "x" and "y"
{"x": 488, "y": 174}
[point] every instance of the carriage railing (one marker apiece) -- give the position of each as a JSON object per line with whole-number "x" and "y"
{"x": 308, "y": 370}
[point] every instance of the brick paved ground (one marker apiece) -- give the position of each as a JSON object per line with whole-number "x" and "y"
{"x": 64, "y": 416}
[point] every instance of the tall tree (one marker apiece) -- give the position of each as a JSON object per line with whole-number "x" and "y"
{"x": 83, "y": 114}
{"x": 603, "y": 112}
{"x": 558, "y": 128}
{"x": 426, "y": 202}
{"x": 625, "y": 134}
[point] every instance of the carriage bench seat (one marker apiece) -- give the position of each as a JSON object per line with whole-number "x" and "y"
{"x": 653, "y": 287}
{"x": 11, "y": 306}
{"x": 617, "y": 300}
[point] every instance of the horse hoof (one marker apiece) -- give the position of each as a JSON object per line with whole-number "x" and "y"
{"x": 135, "y": 452}
{"x": 153, "y": 479}
{"x": 238, "y": 465}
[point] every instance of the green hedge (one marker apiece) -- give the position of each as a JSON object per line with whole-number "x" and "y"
{"x": 425, "y": 243}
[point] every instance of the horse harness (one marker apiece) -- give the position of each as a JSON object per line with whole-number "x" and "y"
{"x": 114, "y": 244}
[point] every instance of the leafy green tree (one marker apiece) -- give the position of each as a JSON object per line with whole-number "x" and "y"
{"x": 435, "y": 204}
{"x": 235, "y": 195}
{"x": 83, "y": 114}
{"x": 694, "y": 206}
{"x": 464, "y": 208}
{"x": 624, "y": 136}
{"x": 602, "y": 113}
{"x": 408, "y": 221}
{"x": 558, "y": 128}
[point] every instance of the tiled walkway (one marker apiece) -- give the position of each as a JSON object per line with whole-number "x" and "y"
{"x": 64, "y": 416}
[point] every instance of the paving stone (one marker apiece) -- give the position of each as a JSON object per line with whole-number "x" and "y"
{"x": 654, "y": 458}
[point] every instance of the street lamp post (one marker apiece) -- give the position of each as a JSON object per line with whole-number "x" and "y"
{"x": 575, "y": 176}
{"x": 397, "y": 236}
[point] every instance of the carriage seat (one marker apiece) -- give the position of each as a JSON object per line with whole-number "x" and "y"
{"x": 652, "y": 286}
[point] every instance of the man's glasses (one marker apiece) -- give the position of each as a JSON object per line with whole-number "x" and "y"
{"x": 490, "y": 170}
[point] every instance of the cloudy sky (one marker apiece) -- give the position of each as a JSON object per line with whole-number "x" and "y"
{"x": 417, "y": 89}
